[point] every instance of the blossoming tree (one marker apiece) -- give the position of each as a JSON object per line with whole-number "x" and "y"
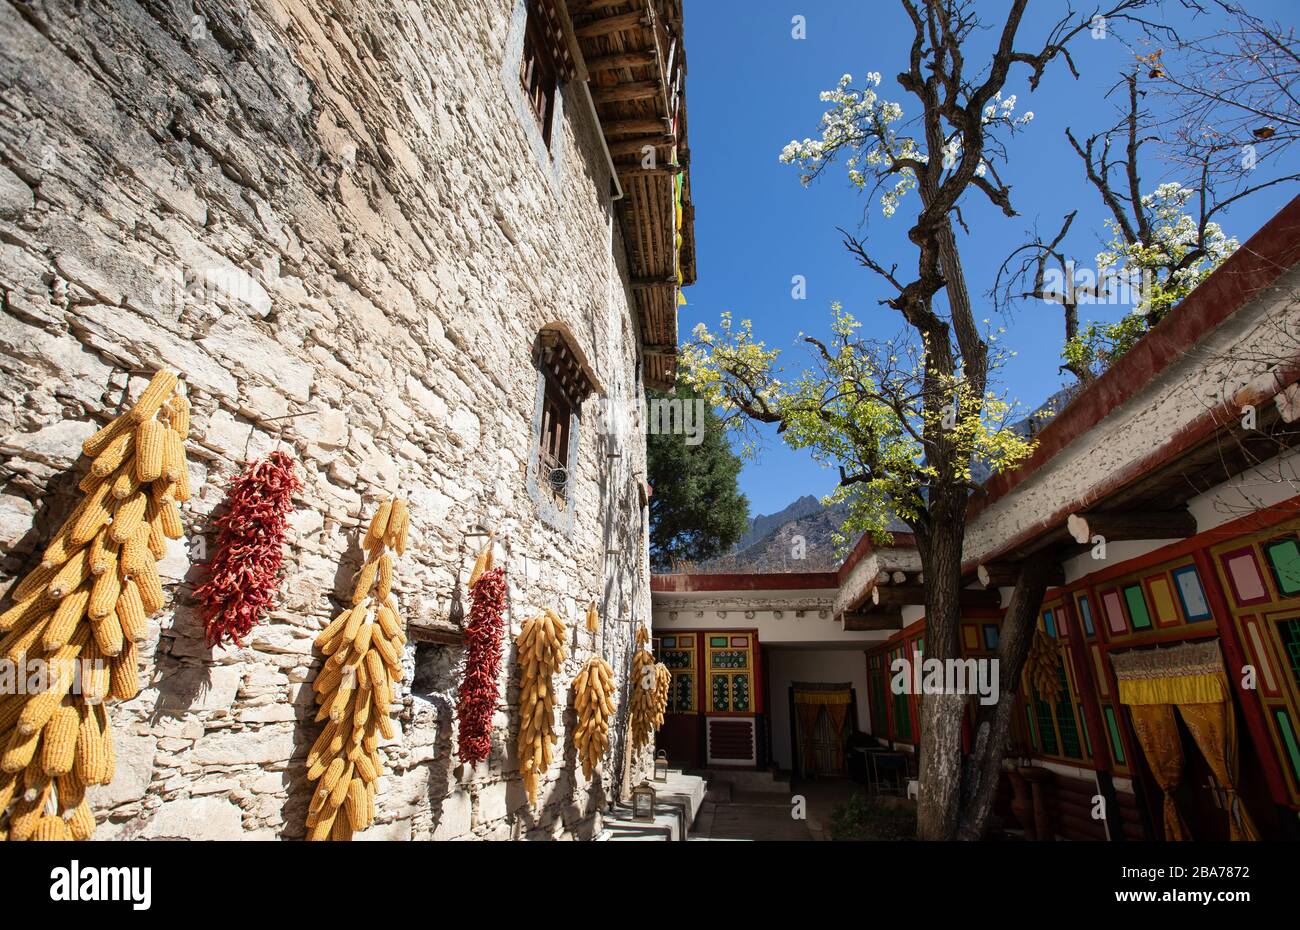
{"x": 907, "y": 419}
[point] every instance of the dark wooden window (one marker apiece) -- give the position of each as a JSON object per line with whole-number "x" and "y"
{"x": 556, "y": 411}
{"x": 538, "y": 72}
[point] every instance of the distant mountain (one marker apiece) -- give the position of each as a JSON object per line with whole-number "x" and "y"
{"x": 771, "y": 544}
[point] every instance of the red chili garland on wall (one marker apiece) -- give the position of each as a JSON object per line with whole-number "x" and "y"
{"x": 244, "y": 574}
{"x": 477, "y": 698}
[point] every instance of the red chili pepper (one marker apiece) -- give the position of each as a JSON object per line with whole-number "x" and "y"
{"x": 243, "y": 576}
{"x": 477, "y": 697}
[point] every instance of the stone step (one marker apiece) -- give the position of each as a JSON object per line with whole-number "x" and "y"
{"x": 677, "y": 802}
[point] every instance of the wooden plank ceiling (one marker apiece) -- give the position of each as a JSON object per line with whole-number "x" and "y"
{"x": 637, "y": 66}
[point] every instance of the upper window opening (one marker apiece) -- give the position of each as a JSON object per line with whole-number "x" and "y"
{"x": 539, "y": 72}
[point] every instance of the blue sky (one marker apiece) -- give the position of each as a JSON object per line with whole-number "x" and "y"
{"x": 753, "y": 88}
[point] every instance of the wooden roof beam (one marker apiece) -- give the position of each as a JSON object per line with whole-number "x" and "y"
{"x": 911, "y": 595}
{"x": 621, "y": 60}
{"x": 612, "y": 24}
{"x": 636, "y": 127}
{"x": 1005, "y": 574}
{"x": 641, "y": 284}
{"x": 637, "y": 146}
{"x": 633, "y": 90}
{"x": 858, "y": 621}
{"x": 1121, "y": 525}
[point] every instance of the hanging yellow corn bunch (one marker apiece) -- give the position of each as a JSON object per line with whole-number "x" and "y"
{"x": 355, "y": 688}
{"x": 1041, "y": 673}
{"x": 540, "y": 647}
{"x": 593, "y": 618}
{"x": 81, "y": 613}
{"x": 645, "y": 680}
{"x": 593, "y": 697}
{"x": 663, "y": 681}
{"x": 485, "y": 562}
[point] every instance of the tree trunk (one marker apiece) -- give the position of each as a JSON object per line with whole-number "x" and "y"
{"x": 983, "y": 767}
{"x": 938, "y": 803}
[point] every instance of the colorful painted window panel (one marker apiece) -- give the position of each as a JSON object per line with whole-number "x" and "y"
{"x": 1244, "y": 577}
{"x": 740, "y": 641}
{"x": 729, "y": 659}
{"x": 718, "y": 642}
{"x": 677, "y": 658}
{"x": 1289, "y": 740}
{"x": 721, "y": 699}
{"x": 1103, "y": 681}
{"x": 1288, "y": 632}
{"x": 1162, "y": 600}
{"x": 1085, "y": 614}
{"x": 970, "y": 637}
{"x": 1190, "y": 594}
{"x": 1116, "y": 744}
{"x": 740, "y": 692}
{"x": 1284, "y": 560}
{"x": 1033, "y": 730}
{"x": 1114, "y": 612}
{"x": 682, "y": 697}
{"x": 1137, "y": 607}
{"x": 1262, "y": 665}
{"x": 991, "y": 634}
{"x": 668, "y": 642}
{"x": 1049, "y": 623}
{"x": 902, "y": 718}
{"x": 1043, "y": 717}
{"x": 1083, "y": 724}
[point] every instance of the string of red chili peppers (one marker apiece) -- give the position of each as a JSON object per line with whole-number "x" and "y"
{"x": 477, "y": 697}
{"x": 243, "y": 576}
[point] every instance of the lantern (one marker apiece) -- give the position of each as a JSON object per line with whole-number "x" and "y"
{"x": 643, "y": 802}
{"x": 661, "y": 766}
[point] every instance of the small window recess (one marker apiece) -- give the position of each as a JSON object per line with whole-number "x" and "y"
{"x": 565, "y": 381}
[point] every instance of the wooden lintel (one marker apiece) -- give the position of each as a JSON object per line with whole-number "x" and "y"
{"x": 610, "y": 24}
{"x": 622, "y": 60}
{"x": 664, "y": 348}
{"x": 1122, "y": 524}
{"x": 1004, "y": 574}
{"x": 857, "y": 621}
{"x": 632, "y": 90}
{"x": 422, "y": 634}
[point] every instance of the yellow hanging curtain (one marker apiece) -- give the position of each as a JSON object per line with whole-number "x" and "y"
{"x": 1190, "y": 673}
{"x": 1191, "y": 678}
{"x": 1157, "y": 734}
{"x": 821, "y": 697}
{"x": 1213, "y": 726}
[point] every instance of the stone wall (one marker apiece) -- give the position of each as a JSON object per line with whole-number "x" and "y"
{"x": 329, "y": 214}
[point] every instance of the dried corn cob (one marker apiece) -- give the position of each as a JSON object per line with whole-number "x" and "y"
{"x": 160, "y": 388}
{"x": 84, "y": 609}
{"x": 593, "y": 692}
{"x": 353, "y": 693}
{"x": 540, "y": 645}
{"x": 149, "y": 440}
{"x": 644, "y": 682}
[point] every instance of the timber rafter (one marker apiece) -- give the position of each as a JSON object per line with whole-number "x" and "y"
{"x": 634, "y": 59}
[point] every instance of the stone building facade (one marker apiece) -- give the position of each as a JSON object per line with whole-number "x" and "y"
{"x": 337, "y": 223}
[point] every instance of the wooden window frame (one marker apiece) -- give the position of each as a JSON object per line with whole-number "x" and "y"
{"x": 539, "y": 74}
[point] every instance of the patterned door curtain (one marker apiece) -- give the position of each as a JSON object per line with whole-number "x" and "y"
{"x": 810, "y": 701}
{"x": 1189, "y": 677}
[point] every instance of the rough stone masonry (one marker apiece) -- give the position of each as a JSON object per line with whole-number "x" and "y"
{"x": 329, "y": 218}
